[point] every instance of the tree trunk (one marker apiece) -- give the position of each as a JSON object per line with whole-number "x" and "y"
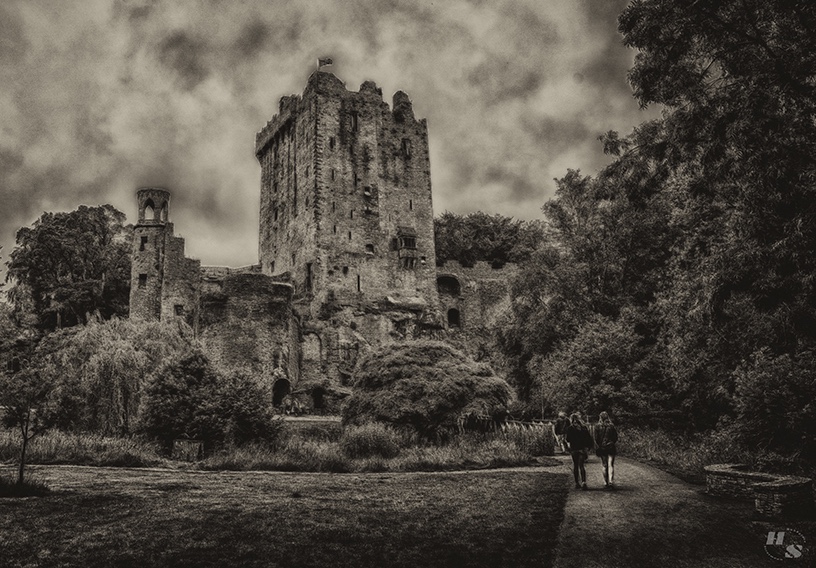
{"x": 23, "y": 447}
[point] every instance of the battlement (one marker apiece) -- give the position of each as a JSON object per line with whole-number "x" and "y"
{"x": 328, "y": 84}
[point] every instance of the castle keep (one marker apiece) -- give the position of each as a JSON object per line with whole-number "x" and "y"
{"x": 346, "y": 248}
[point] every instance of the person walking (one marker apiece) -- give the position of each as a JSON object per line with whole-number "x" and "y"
{"x": 579, "y": 441}
{"x": 606, "y": 438}
{"x": 560, "y": 430}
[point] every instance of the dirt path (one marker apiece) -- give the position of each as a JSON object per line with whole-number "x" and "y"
{"x": 655, "y": 519}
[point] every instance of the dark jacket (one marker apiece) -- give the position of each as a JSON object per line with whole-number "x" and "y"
{"x": 606, "y": 436}
{"x": 578, "y": 438}
{"x": 560, "y": 426}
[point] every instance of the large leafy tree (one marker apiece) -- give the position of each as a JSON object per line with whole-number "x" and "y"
{"x": 491, "y": 238}
{"x": 738, "y": 80}
{"x": 69, "y": 265}
{"x": 700, "y": 231}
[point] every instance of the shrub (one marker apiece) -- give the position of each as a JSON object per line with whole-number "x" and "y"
{"x": 187, "y": 398}
{"x": 774, "y": 399}
{"x": 370, "y": 440}
{"x": 423, "y": 386}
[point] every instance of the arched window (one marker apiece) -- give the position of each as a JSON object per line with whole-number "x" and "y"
{"x": 149, "y": 211}
{"x": 448, "y": 285}
{"x": 163, "y": 214}
{"x": 453, "y": 318}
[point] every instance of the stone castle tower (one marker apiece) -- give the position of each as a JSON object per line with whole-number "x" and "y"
{"x": 163, "y": 282}
{"x": 346, "y": 207}
{"x": 346, "y": 250}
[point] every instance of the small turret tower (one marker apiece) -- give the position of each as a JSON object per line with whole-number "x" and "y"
{"x": 149, "y": 239}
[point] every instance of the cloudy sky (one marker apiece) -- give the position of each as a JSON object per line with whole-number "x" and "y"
{"x": 99, "y": 97}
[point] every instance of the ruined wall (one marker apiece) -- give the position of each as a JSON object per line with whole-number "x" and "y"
{"x": 246, "y": 322}
{"x": 483, "y": 295}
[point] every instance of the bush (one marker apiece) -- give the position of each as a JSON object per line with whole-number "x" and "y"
{"x": 370, "y": 440}
{"x": 774, "y": 399}
{"x": 423, "y": 386}
{"x": 187, "y": 398}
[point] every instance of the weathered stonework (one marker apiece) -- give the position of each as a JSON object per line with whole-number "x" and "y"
{"x": 774, "y": 496}
{"x": 346, "y": 248}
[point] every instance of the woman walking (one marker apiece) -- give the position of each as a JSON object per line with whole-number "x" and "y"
{"x": 560, "y": 428}
{"x": 579, "y": 441}
{"x": 606, "y": 437}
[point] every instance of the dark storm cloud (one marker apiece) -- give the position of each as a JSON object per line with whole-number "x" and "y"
{"x": 186, "y": 56}
{"x": 102, "y": 96}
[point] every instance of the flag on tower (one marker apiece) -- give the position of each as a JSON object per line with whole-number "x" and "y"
{"x": 324, "y": 61}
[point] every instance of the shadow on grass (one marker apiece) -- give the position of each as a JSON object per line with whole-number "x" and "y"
{"x": 29, "y": 488}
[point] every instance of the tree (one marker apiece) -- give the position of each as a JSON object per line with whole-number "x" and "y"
{"x": 479, "y": 236}
{"x": 68, "y": 265}
{"x": 423, "y": 386}
{"x": 24, "y": 396}
{"x": 188, "y": 398}
{"x": 100, "y": 370}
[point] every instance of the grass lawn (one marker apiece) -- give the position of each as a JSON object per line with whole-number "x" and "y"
{"x": 102, "y": 517}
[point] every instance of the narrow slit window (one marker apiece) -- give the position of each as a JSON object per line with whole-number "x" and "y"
{"x": 179, "y": 309}
{"x": 143, "y": 243}
{"x": 355, "y": 121}
{"x": 142, "y": 280}
{"x": 410, "y": 205}
{"x": 358, "y": 283}
{"x": 331, "y": 144}
{"x": 349, "y": 235}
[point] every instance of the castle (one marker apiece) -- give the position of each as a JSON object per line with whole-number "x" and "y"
{"x": 346, "y": 249}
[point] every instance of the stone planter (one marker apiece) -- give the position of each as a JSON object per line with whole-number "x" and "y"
{"x": 774, "y": 496}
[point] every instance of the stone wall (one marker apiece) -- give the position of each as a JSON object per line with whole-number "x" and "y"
{"x": 483, "y": 296}
{"x": 246, "y": 322}
{"x": 774, "y": 496}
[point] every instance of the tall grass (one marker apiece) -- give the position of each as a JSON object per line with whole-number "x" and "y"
{"x": 682, "y": 455}
{"x": 368, "y": 448}
{"x": 535, "y": 439}
{"x": 56, "y": 447}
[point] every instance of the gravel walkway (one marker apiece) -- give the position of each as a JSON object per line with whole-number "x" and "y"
{"x": 655, "y": 519}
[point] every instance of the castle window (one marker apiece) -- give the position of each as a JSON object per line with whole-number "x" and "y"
{"x": 408, "y": 242}
{"x": 406, "y": 147}
{"x": 358, "y": 283}
{"x": 356, "y": 181}
{"x": 163, "y": 213}
{"x": 307, "y": 203}
{"x": 355, "y": 122}
{"x": 351, "y": 215}
{"x": 448, "y": 285}
{"x": 333, "y": 174}
{"x": 272, "y": 267}
{"x": 349, "y": 235}
{"x": 345, "y": 271}
{"x": 142, "y": 280}
{"x": 331, "y": 145}
{"x": 143, "y": 243}
{"x": 453, "y": 318}
{"x": 408, "y": 262}
{"x": 333, "y": 208}
{"x": 410, "y": 205}
{"x": 150, "y": 211}
{"x": 334, "y": 229}
{"x": 179, "y": 309}
{"x": 276, "y": 213}
{"x": 307, "y": 171}
{"x": 275, "y": 187}
{"x": 309, "y": 276}
{"x": 370, "y": 249}
{"x": 293, "y": 260}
